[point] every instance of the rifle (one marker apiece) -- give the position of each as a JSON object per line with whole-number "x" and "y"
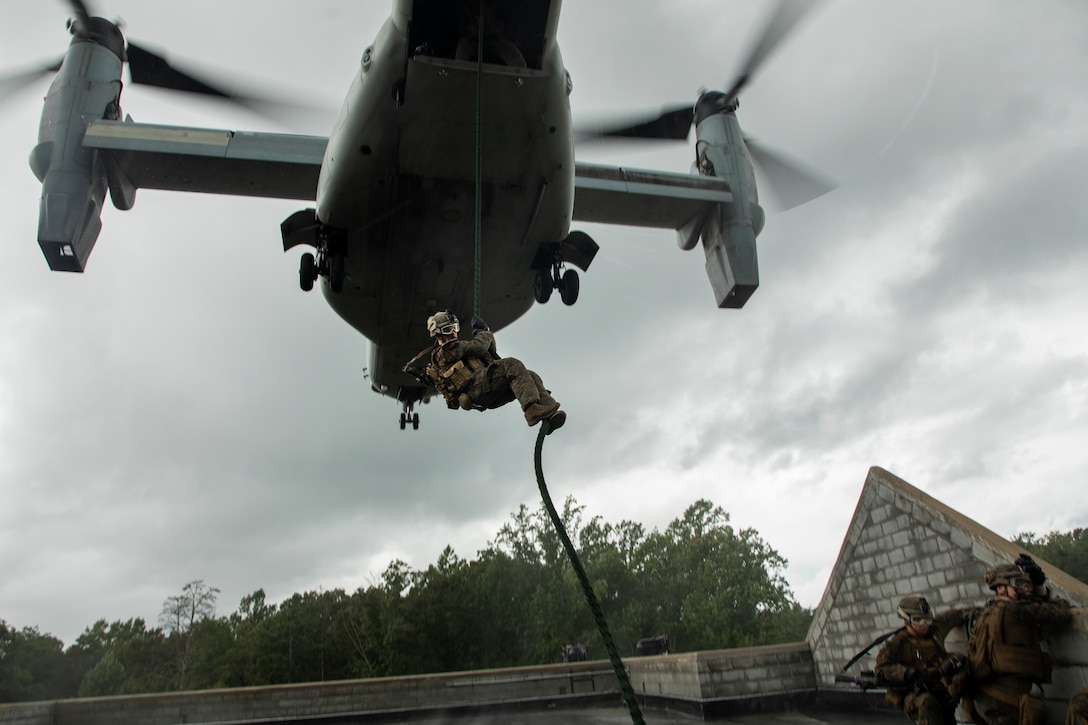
{"x": 866, "y": 680}
{"x": 935, "y": 688}
{"x": 874, "y": 643}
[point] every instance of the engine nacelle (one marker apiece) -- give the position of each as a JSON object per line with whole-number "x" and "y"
{"x": 729, "y": 231}
{"x": 74, "y": 179}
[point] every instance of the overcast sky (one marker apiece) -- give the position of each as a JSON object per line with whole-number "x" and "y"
{"x": 183, "y": 411}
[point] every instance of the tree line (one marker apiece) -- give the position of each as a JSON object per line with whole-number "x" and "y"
{"x": 1068, "y": 551}
{"x": 702, "y": 582}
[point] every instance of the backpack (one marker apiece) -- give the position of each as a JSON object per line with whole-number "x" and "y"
{"x": 989, "y": 656}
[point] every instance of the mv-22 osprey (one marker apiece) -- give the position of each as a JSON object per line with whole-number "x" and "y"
{"x": 393, "y": 228}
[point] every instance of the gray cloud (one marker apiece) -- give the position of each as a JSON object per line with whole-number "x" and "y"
{"x": 183, "y": 411}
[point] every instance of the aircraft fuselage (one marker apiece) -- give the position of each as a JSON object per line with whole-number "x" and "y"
{"x": 397, "y": 194}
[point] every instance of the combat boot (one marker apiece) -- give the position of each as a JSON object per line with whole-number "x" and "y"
{"x": 536, "y": 412}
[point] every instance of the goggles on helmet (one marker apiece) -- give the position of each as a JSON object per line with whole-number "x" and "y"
{"x": 917, "y": 619}
{"x": 443, "y": 323}
{"x": 1003, "y": 575}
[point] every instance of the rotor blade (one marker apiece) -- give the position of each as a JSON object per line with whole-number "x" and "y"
{"x": 671, "y": 124}
{"x": 781, "y": 22}
{"x": 80, "y": 9}
{"x": 791, "y": 184}
{"x": 153, "y": 70}
{"x": 11, "y": 84}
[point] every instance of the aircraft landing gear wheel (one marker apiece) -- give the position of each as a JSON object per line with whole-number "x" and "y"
{"x": 307, "y": 272}
{"x": 542, "y": 286}
{"x": 568, "y": 287}
{"x": 336, "y": 272}
{"x": 407, "y": 416}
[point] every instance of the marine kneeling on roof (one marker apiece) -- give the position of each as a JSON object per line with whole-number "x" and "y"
{"x": 920, "y": 675}
{"x": 471, "y": 375}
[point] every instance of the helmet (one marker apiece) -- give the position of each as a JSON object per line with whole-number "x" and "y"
{"x": 1007, "y": 574}
{"x": 915, "y": 610}
{"x": 443, "y": 323}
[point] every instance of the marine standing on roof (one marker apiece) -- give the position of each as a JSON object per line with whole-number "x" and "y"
{"x": 1008, "y": 665}
{"x": 913, "y": 664}
{"x": 471, "y": 375}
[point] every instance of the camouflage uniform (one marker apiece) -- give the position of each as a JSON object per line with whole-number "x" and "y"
{"x": 484, "y": 380}
{"x": 910, "y": 665}
{"x": 1078, "y": 709}
{"x": 1007, "y": 661}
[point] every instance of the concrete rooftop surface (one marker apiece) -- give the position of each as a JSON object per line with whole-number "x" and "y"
{"x": 621, "y": 716}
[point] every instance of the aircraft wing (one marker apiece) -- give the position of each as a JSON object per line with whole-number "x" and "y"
{"x": 638, "y": 198}
{"x": 286, "y": 166}
{"x": 176, "y": 158}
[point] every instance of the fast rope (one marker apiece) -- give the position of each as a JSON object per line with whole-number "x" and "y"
{"x": 587, "y": 587}
{"x": 479, "y": 157}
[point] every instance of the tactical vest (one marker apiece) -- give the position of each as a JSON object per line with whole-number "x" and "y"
{"x": 992, "y": 651}
{"x": 456, "y": 378}
{"x": 924, "y": 654}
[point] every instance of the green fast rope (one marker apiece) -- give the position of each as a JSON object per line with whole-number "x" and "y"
{"x": 479, "y": 154}
{"x": 587, "y": 587}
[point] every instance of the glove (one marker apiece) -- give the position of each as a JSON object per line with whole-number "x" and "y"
{"x": 952, "y": 665}
{"x": 479, "y": 324}
{"x": 420, "y": 375}
{"x": 1033, "y": 570}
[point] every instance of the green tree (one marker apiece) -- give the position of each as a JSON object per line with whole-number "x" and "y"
{"x": 551, "y": 606}
{"x": 614, "y": 560}
{"x": 363, "y": 622}
{"x": 32, "y": 665}
{"x": 107, "y": 677}
{"x": 149, "y": 662}
{"x": 1068, "y": 551}
{"x": 500, "y": 597}
{"x": 377, "y": 626}
{"x": 717, "y": 587}
{"x": 180, "y": 614}
{"x": 446, "y": 623}
{"x": 243, "y": 664}
{"x": 210, "y": 658}
{"x": 98, "y": 642}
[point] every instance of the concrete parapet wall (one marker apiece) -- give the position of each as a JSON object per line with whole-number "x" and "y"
{"x": 27, "y": 713}
{"x": 571, "y": 681}
{"x": 665, "y": 675}
{"x": 725, "y": 674}
{"x": 694, "y": 678}
{"x": 756, "y": 671}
